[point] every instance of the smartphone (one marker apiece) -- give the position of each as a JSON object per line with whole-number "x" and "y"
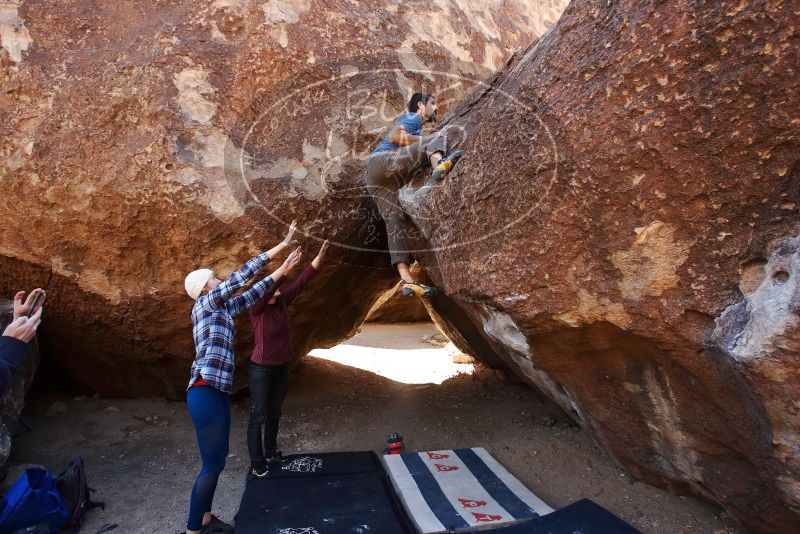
{"x": 36, "y": 300}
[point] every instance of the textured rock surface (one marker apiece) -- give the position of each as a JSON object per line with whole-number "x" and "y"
{"x": 141, "y": 140}
{"x": 393, "y": 307}
{"x": 628, "y": 228}
{"x": 13, "y": 401}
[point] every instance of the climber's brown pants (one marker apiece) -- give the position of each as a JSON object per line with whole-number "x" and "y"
{"x": 387, "y": 172}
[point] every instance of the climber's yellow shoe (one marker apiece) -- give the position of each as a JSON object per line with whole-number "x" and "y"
{"x": 446, "y": 164}
{"x": 415, "y": 288}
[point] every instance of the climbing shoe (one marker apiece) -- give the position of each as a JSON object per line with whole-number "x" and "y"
{"x": 260, "y": 470}
{"x": 445, "y": 164}
{"x": 216, "y": 526}
{"x": 409, "y": 289}
{"x": 276, "y": 459}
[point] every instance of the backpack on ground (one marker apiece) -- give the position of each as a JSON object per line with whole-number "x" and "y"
{"x": 75, "y": 493}
{"x": 33, "y": 500}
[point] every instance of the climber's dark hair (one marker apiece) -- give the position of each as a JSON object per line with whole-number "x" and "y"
{"x": 416, "y": 99}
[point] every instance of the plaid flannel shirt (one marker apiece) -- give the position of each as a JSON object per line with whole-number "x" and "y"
{"x": 212, "y": 317}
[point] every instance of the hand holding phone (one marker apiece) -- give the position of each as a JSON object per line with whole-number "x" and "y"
{"x": 40, "y": 294}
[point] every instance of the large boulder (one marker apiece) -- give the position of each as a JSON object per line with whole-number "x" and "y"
{"x": 623, "y": 231}
{"x": 141, "y": 140}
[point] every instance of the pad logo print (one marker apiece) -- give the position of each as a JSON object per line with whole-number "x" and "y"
{"x": 469, "y": 503}
{"x": 437, "y": 456}
{"x": 304, "y": 530}
{"x": 306, "y": 464}
{"x": 486, "y": 517}
{"x": 445, "y": 468}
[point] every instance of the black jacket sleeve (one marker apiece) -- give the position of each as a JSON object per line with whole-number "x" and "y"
{"x": 12, "y": 352}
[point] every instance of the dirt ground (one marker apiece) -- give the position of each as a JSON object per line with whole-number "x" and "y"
{"x": 142, "y": 458}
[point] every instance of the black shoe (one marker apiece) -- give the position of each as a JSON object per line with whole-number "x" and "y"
{"x": 216, "y": 526}
{"x": 276, "y": 458}
{"x": 445, "y": 164}
{"x": 260, "y": 470}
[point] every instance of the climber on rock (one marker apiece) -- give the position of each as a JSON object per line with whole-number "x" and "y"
{"x": 269, "y": 367}
{"x": 211, "y": 378}
{"x": 399, "y": 154}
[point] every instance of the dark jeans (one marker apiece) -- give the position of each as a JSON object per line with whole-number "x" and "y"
{"x": 387, "y": 173}
{"x": 267, "y": 390}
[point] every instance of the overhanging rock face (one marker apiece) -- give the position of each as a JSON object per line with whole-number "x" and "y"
{"x": 623, "y": 231}
{"x": 141, "y": 140}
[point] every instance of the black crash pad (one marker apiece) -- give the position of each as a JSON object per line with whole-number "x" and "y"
{"x": 330, "y": 493}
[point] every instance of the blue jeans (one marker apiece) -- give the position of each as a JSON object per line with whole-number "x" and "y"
{"x": 210, "y": 409}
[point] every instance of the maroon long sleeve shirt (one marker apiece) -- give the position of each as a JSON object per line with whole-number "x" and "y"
{"x": 271, "y": 333}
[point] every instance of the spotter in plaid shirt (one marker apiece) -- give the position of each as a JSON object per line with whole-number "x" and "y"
{"x": 212, "y": 317}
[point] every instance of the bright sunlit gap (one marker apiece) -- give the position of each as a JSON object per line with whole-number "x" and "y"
{"x": 397, "y": 352}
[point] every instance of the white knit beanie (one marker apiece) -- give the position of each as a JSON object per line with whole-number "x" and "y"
{"x": 196, "y": 281}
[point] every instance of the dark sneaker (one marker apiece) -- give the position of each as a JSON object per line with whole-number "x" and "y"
{"x": 445, "y": 164}
{"x": 216, "y": 526}
{"x": 276, "y": 458}
{"x": 260, "y": 470}
{"x": 409, "y": 289}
